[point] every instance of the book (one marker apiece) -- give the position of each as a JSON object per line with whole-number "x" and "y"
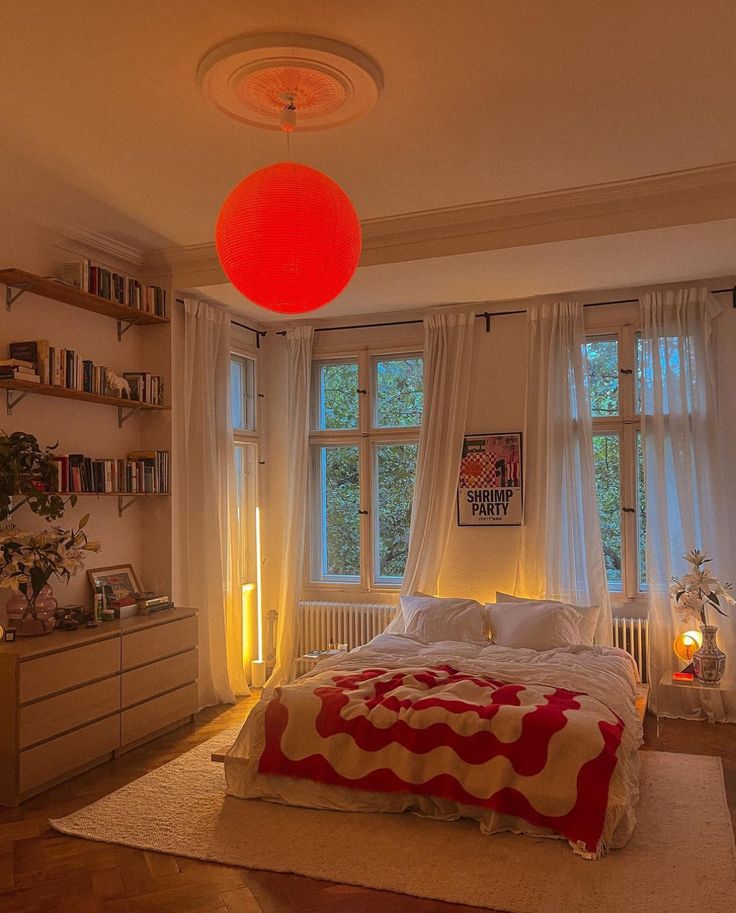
{"x": 153, "y": 600}
{"x": 115, "y": 286}
{"x": 76, "y": 274}
{"x": 25, "y": 351}
{"x": 159, "y": 607}
{"x": 10, "y": 374}
{"x": 318, "y": 654}
{"x": 17, "y": 363}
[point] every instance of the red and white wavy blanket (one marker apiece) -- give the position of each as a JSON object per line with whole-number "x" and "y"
{"x": 545, "y": 754}
{"x": 540, "y": 743}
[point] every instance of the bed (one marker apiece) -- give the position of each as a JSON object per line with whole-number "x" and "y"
{"x": 535, "y": 741}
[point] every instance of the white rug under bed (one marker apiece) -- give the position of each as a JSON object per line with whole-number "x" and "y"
{"x": 681, "y": 855}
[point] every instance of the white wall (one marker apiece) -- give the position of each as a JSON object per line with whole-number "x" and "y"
{"x": 480, "y": 561}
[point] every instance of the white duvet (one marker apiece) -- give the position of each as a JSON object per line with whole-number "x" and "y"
{"x": 605, "y": 673}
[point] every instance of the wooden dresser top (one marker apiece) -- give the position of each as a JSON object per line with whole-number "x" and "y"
{"x": 23, "y": 648}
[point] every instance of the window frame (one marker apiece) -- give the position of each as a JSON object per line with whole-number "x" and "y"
{"x": 626, "y": 424}
{"x": 366, "y": 437}
{"x": 238, "y": 352}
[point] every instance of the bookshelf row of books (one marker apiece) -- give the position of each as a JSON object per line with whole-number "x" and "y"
{"x": 115, "y": 286}
{"x": 143, "y": 471}
{"x": 36, "y": 361}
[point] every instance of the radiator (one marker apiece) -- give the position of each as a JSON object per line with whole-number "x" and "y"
{"x": 632, "y": 635}
{"x": 351, "y": 623}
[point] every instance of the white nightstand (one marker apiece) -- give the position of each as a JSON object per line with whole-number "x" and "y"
{"x": 726, "y": 687}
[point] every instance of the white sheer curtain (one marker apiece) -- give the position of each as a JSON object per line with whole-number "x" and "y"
{"x": 448, "y": 344}
{"x": 210, "y": 573}
{"x": 561, "y": 553}
{"x": 299, "y": 374}
{"x": 684, "y": 509}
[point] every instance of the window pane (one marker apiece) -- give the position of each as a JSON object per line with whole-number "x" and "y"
{"x": 340, "y": 520}
{"x": 641, "y": 515}
{"x": 338, "y": 395}
{"x": 395, "y": 471}
{"x": 399, "y": 391}
{"x": 638, "y": 373}
{"x": 242, "y": 393}
{"x": 606, "y": 453}
{"x": 602, "y": 353}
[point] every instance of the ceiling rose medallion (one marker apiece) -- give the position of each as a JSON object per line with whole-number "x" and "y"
{"x": 287, "y": 235}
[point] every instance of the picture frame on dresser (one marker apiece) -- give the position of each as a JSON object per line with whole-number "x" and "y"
{"x": 120, "y": 578}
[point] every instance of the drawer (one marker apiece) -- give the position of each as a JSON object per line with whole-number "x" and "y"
{"x": 53, "y": 759}
{"x": 140, "y": 721}
{"x": 165, "y": 675}
{"x": 67, "y": 669}
{"x": 155, "y": 643}
{"x": 55, "y": 715}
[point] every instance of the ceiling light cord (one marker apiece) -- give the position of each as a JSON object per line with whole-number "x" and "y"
{"x": 287, "y": 121}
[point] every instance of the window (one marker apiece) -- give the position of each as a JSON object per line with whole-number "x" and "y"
{"x": 243, "y": 411}
{"x": 613, "y": 383}
{"x": 366, "y": 413}
{"x": 242, "y": 393}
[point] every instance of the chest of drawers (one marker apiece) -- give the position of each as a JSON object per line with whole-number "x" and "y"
{"x": 70, "y": 700}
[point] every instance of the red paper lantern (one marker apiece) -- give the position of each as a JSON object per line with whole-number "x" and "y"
{"x": 288, "y": 238}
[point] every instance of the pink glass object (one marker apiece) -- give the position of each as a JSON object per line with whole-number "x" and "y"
{"x": 45, "y": 607}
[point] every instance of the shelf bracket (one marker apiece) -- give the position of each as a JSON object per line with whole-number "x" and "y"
{"x": 123, "y": 505}
{"x": 125, "y": 325}
{"x": 11, "y": 402}
{"x": 124, "y": 414}
{"x": 13, "y": 293}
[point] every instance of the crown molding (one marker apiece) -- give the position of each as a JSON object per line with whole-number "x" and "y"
{"x": 657, "y": 201}
{"x": 78, "y": 241}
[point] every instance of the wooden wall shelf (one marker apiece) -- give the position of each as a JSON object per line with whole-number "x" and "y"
{"x": 18, "y": 281}
{"x": 125, "y": 407}
{"x": 126, "y": 499}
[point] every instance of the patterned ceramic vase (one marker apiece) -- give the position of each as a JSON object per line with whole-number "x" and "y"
{"x": 39, "y": 617}
{"x": 709, "y": 662}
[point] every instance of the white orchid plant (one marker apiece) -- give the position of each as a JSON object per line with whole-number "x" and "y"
{"x": 28, "y": 560}
{"x": 699, "y": 589}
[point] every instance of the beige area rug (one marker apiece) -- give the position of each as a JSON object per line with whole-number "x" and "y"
{"x": 681, "y": 855}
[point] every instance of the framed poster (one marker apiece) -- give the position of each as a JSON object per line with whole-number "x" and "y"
{"x": 490, "y": 489}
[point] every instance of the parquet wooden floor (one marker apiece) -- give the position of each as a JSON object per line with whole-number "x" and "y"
{"x": 42, "y": 871}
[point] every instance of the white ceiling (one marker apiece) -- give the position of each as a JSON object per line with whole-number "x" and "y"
{"x": 104, "y": 127}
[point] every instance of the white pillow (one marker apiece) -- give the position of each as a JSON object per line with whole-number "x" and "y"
{"x": 588, "y": 623}
{"x": 534, "y": 625}
{"x": 432, "y": 619}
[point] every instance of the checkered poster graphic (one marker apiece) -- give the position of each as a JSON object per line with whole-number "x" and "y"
{"x": 490, "y": 487}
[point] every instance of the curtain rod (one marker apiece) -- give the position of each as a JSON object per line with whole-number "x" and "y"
{"x": 244, "y": 326}
{"x": 486, "y": 315}
{"x": 258, "y": 333}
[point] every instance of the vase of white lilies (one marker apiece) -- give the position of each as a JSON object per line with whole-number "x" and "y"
{"x": 29, "y": 560}
{"x": 693, "y": 595}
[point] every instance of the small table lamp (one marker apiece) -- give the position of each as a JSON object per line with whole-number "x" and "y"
{"x": 684, "y": 646}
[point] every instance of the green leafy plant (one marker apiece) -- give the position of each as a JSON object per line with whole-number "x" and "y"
{"x": 27, "y": 476}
